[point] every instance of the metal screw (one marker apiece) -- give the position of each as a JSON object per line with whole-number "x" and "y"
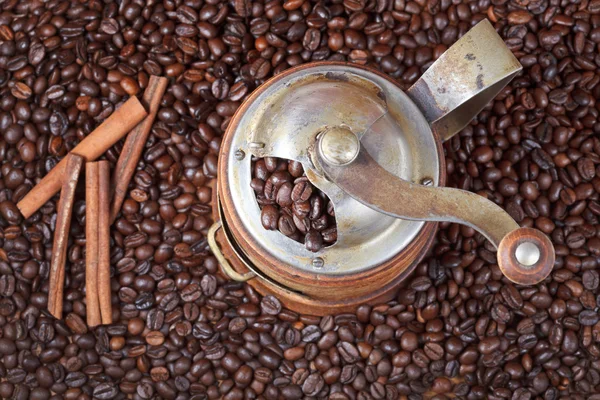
{"x": 318, "y": 262}
{"x": 239, "y": 154}
{"x": 256, "y": 145}
{"x": 427, "y": 182}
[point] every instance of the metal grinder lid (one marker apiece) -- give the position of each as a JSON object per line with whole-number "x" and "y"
{"x": 283, "y": 118}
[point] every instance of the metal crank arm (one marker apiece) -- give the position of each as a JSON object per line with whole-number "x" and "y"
{"x": 525, "y": 255}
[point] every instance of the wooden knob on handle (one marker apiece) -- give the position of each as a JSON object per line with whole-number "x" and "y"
{"x": 526, "y": 256}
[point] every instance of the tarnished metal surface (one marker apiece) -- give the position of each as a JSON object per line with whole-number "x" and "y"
{"x": 289, "y": 115}
{"x": 339, "y": 145}
{"x": 464, "y": 79}
{"x": 366, "y": 181}
{"x": 284, "y": 119}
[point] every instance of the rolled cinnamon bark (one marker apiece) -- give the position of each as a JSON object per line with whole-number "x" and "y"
{"x": 104, "y": 294}
{"x": 92, "y": 200}
{"x": 74, "y": 163}
{"x": 93, "y": 146}
{"x": 135, "y": 142}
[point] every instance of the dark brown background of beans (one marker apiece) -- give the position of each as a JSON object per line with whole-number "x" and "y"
{"x": 459, "y": 330}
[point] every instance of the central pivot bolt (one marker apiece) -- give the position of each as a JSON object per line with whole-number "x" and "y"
{"x": 527, "y": 254}
{"x": 339, "y": 145}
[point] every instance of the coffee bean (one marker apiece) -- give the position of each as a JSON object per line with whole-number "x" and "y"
{"x": 591, "y": 280}
{"x": 500, "y": 314}
{"x": 313, "y": 384}
{"x": 242, "y": 7}
{"x": 575, "y": 240}
{"x": 286, "y": 225}
{"x": 105, "y": 391}
{"x": 512, "y": 297}
{"x": 588, "y": 318}
{"x": 349, "y": 352}
{"x": 145, "y": 390}
{"x": 312, "y": 39}
{"x": 191, "y": 292}
{"x": 220, "y": 87}
{"x": 269, "y": 217}
{"x": 75, "y": 379}
{"x": 110, "y": 26}
{"x": 16, "y": 375}
{"x": 270, "y": 305}
{"x": 586, "y": 168}
{"x": 21, "y": 91}
{"x": 208, "y": 285}
{"x": 159, "y": 374}
{"x": 434, "y": 351}
{"x": 6, "y": 32}
{"x": 7, "y": 285}
{"x": 155, "y": 319}
{"x": 76, "y": 324}
{"x": 238, "y": 91}
{"x": 284, "y": 195}
{"x": 301, "y": 192}
{"x": 53, "y": 93}
{"x": 421, "y": 284}
{"x": 7, "y": 347}
{"x": 10, "y": 212}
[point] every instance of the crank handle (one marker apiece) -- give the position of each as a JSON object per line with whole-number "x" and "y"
{"x": 464, "y": 79}
{"x": 525, "y": 255}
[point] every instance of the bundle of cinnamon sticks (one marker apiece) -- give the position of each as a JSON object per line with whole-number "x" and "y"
{"x": 136, "y": 118}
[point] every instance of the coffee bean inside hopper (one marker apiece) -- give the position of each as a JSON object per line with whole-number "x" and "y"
{"x": 291, "y": 204}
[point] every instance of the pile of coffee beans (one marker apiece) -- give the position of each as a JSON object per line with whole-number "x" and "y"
{"x": 290, "y": 204}
{"x": 182, "y": 331}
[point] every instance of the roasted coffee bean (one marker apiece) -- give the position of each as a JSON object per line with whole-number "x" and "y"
{"x": 208, "y": 285}
{"x": 286, "y": 225}
{"x": 105, "y": 391}
{"x": 313, "y": 384}
{"x": 302, "y": 191}
{"x": 270, "y": 305}
{"x": 284, "y": 195}
{"x": 590, "y": 280}
{"x": 21, "y": 91}
{"x": 313, "y": 241}
{"x": 500, "y": 314}
{"x": 588, "y": 317}
{"x": 434, "y": 351}
{"x": 269, "y": 217}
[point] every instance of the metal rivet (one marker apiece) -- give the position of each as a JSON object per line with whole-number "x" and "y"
{"x": 527, "y": 254}
{"x": 318, "y": 262}
{"x": 239, "y": 154}
{"x": 427, "y": 182}
{"x": 256, "y": 145}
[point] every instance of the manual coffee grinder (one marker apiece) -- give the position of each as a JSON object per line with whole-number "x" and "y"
{"x": 376, "y": 152}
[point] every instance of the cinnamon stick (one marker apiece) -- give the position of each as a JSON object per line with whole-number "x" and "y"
{"x": 92, "y": 200}
{"x": 135, "y": 142}
{"x": 74, "y": 163}
{"x": 92, "y": 147}
{"x": 104, "y": 294}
